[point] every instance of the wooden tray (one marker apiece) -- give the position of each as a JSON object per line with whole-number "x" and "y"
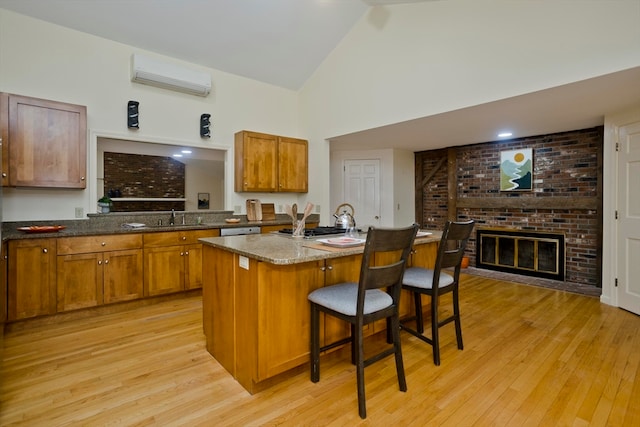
{"x": 268, "y": 212}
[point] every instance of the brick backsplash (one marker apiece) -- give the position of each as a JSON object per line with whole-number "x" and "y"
{"x": 144, "y": 176}
{"x": 566, "y": 164}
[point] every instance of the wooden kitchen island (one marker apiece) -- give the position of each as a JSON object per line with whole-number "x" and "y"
{"x": 256, "y": 313}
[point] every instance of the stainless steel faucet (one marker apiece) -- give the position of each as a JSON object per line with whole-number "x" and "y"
{"x": 172, "y": 219}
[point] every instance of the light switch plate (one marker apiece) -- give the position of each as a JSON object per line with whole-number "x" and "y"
{"x": 243, "y": 262}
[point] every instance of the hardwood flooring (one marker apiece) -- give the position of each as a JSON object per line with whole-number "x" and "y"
{"x": 532, "y": 357}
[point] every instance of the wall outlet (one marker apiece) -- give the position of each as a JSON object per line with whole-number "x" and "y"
{"x": 79, "y": 213}
{"x": 237, "y": 209}
{"x": 317, "y": 208}
{"x": 280, "y": 208}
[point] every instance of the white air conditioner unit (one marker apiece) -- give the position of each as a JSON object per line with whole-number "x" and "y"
{"x": 150, "y": 71}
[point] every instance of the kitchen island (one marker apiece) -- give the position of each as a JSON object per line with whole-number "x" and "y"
{"x": 255, "y": 308}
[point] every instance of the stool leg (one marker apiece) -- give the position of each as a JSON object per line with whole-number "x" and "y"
{"x": 395, "y": 332}
{"x": 315, "y": 343}
{"x": 362, "y": 404}
{"x": 435, "y": 338}
{"x": 417, "y": 299}
{"x": 456, "y": 313}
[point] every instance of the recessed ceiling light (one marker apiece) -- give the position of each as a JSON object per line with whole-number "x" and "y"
{"x": 504, "y": 134}
{"x": 186, "y": 151}
{"x": 177, "y": 155}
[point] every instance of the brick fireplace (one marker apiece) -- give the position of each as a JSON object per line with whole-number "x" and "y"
{"x": 514, "y": 251}
{"x": 566, "y": 200}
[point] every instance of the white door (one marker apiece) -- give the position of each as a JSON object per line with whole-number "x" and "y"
{"x": 628, "y": 236}
{"x": 362, "y": 190}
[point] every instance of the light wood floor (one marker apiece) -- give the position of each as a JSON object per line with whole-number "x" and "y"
{"x": 532, "y": 357}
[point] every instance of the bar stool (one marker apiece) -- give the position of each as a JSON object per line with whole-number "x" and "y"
{"x": 435, "y": 282}
{"x": 374, "y": 297}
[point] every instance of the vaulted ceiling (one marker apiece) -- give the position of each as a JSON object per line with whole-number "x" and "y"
{"x": 282, "y": 42}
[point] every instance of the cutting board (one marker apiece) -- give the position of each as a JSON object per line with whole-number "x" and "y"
{"x": 268, "y": 212}
{"x": 254, "y": 210}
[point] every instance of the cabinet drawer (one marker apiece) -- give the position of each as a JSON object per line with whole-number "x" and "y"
{"x": 87, "y": 244}
{"x": 170, "y": 238}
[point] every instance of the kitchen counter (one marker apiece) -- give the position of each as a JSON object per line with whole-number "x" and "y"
{"x": 255, "y": 308}
{"x": 282, "y": 249}
{"x": 112, "y": 223}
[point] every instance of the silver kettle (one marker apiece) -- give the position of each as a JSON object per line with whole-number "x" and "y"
{"x": 345, "y": 220}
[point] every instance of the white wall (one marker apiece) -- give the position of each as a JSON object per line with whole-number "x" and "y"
{"x": 51, "y": 62}
{"x": 415, "y": 60}
{"x": 398, "y": 63}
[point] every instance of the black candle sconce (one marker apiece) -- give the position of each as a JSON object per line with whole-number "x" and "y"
{"x": 132, "y": 115}
{"x": 205, "y": 126}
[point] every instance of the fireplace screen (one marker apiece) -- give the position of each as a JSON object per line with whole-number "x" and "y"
{"x": 523, "y": 252}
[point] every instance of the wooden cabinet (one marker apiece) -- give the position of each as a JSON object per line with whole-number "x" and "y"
{"x": 270, "y": 163}
{"x": 173, "y": 261}
{"x": 3, "y": 287}
{"x": 31, "y": 278}
{"x": 96, "y": 270}
{"x": 44, "y": 143}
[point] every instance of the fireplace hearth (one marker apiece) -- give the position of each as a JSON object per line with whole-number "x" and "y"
{"x": 532, "y": 253}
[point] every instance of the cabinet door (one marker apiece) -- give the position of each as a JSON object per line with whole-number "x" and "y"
{"x": 338, "y": 270}
{"x": 32, "y": 278}
{"x": 283, "y": 321}
{"x": 292, "y": 165}
{"x": 79, "y": 281}
{"x": 122, "y": 275}
{"x": 193, "y": 266}
{"x": 47, "y": 143}
{"x": 256, "y": 162}
{"x": 4, "y": 137}
{"x": 3, "y": 285}
{"x": 163, "y": 270}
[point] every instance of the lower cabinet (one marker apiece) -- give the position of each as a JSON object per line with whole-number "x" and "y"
{"x": 98, "y": 270}
{"x": 31, "y": 278}
{"x": 173, "y": 261}
{"x": 50, "y": 275}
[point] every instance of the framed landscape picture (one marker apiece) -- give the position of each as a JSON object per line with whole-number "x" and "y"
{"x": 516, "y": 170}
{"x": 203, "y": 200}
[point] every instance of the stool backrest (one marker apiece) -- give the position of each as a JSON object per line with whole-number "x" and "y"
{"x": 385, "y": 257}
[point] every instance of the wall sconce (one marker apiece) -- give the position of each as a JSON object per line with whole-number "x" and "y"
{"x": 205, "y": 126}
{"x": 132, "y": 115}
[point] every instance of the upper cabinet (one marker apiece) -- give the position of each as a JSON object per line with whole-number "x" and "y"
{"x": 44, "y": 143}
{"x": 270, "y": 163}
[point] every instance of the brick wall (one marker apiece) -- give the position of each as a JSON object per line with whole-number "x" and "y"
{"x": 142, "y": 176}
{"x": 567, "y": 167}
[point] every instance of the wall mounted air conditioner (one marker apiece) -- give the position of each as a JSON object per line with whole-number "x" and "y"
{"x": 166, "y": 75}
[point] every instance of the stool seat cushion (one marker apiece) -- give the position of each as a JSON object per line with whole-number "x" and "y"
{"x": 343, "y": 298}
{"x": 419, "y": 277}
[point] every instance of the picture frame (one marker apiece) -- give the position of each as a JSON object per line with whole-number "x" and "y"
{"x": 516, "y": 170}
{"x": 203, "y": 200}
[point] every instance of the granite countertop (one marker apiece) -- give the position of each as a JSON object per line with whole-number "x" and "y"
{"x": 282, "y": 249}
{"x": 113, "y": 223}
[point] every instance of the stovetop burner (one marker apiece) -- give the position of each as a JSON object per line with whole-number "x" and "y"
{"x": 318, "y": 231}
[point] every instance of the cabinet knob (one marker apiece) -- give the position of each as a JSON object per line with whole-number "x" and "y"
{"x": 181, "y": 253}
{"x": 82, "y": 178}
{"x": 186, "y": 253}
{"x": 184, "y": 237}
{"x": 106, "y": 261}
{"x": 100, "y": 262}
{"x": 4, "y": 175}
{"x": 329, "y": 267}
{"x": 45, "y": 250}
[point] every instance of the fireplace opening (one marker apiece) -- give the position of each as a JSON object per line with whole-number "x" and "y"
{"x": 539, "y": 254}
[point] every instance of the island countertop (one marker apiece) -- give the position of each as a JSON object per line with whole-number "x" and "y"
{"x": 282, "y": 249}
